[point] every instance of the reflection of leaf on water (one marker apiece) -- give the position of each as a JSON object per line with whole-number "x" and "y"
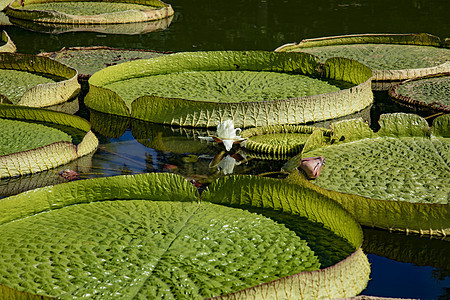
{"x": 167, "y": 138}
{"x": 421, "y": 251}
{"x": 111, "y": 126}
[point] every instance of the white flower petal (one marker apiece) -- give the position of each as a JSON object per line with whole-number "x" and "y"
{"x": 228, "y": 144}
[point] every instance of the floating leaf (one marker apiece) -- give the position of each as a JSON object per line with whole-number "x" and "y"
{"x": 36, "y": 81}
{"x": 30, "y": 148}
{"x": 127, "y": 28}
{"x": 428, "y": 92}
{"x": 89, "y": 12}
{"x": 88, "y": 60}
{"x": 148, "y": 235}
{"x": 278, "y": 141}
{"x": 203, "y": 89}
{"x": 396, "y": 179}
{"x": 390, "y": 56}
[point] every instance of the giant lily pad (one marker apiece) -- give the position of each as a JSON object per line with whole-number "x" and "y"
{"x": 253, "y": 88}
{"x": 390, "y": 56}
{"x": 6, "y": 44}
{"x": 29, "y": 148}
{"x": 89, "y": 12}
{"x": 88, "y": 60}
{"x": 428, "y": 92}
{"x": 149, "y": 236}
{"x": 127, "y": 28}
{"x": 35, "y": 81}
{"x": 397, "y": 178}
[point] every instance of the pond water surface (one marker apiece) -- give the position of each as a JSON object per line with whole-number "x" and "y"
{"x": 402, "y": 266}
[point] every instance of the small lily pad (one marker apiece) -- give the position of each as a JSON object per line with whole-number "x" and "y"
{"x": 89, "y": 12}
{"x": 390, "y": 56}
{"x": 428, "y": 92}
{"x": 277, "y": 141}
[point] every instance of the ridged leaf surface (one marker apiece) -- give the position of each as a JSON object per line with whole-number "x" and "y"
{"x": 17, "y": 136}
{"x": 147, "y": 236}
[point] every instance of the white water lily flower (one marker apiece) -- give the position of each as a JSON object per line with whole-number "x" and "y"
{"x": 226, "y": 134}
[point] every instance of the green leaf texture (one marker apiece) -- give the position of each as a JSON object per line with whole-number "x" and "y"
{"x": 17, "y": 136}
{"x": 277, "y": 141}
{"x": 428, "y": 92}
{"x": 40, "y": 157}
{"x": 346, "y": 279}
{"x": 123, "y": 28}
{"x": 140, "y": 243}
{"x": 53, "y": 82}
{"x": 88, "y": 60}
{"x": 7, "y": 44}
{"x": 208, "y": 112}
{"x": 396, "y": 179}
{"x": 390, "y": 56}
{"x": 90, "y": 12}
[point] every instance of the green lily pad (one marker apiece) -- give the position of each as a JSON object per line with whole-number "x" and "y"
{"x": 35, "y": 81}
{"x": 397, "y": 178}
{"x": 6, "y": 44}
{"x": 149, "y": 236}
{"x": 29, "y": 148}
{"x": 19, "y": 136}
{"x": 428, "y": 92}
{"x": 126, "y": 28}
{"x": 277, "y": 141}
{"x": 88, "y": 60}
{"x": 253, "y": 88}
{"x": 390, "y": 56}
{"x": 89, "y": 12}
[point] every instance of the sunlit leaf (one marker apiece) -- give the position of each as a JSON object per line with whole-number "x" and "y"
{"x": 390, "y": 56}
{"x": 254, "y": 88}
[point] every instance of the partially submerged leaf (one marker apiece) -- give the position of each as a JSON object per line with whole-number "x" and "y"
{"x": 203, "y": 89}
{"x": 390, "y": 56}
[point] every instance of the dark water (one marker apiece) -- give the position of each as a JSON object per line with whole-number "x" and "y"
{"x": 407, "y": 267}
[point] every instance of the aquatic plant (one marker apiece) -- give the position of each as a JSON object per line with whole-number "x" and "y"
{"x": 29, "y": 148}
{"x": 202, "y": 89}
{"x": 149, "y": 235}
{"x": 390, "y": 56}
{"x": 395, "y": 179}
{"x": 429, "y": 92}
{"x": 36, "y": 81}
{"x": 89, "y": 12}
